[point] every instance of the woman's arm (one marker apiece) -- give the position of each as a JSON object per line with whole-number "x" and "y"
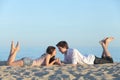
{"x": 47, "y": 61}
{"x": 58, "y": 62}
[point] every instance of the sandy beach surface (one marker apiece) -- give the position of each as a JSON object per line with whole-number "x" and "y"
{"x": 65, "y": 72}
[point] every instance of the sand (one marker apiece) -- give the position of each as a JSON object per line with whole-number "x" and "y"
{"x": 65, "y": 72}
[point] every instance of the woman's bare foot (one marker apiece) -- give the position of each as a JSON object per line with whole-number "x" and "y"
{"x": 17, "y": 48}
{"x": 14, "y": 48}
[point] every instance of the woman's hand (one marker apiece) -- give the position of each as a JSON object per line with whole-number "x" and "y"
{"x": 57, "y": 60}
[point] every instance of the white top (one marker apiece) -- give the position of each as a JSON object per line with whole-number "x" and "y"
{"x": 73, "y": 56}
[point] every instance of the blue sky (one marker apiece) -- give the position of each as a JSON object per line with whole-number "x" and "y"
{"x": 46, "y": 22}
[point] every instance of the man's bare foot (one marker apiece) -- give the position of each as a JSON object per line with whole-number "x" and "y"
{"x": 103, "y": 40}
{"x": 109, "y": 39}
{"x": 106, "y": 40}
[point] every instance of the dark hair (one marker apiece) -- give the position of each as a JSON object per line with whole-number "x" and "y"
{"x": 50, "y": 49}
{"x": 62, "y": 44}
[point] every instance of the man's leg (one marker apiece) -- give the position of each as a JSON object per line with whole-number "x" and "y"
{"x": 105, "y": 44}
{"x": 103, "y": 53}
{"x": 11, "y": 59}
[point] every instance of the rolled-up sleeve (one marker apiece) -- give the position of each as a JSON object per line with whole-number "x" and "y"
{"x": 74, "y": 57}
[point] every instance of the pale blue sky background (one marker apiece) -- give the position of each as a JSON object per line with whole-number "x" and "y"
{"x": 45, "y": 22}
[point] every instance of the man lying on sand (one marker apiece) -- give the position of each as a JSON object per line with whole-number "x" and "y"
{"x": 73, "y": 56}
{"x": 45, "y": 60}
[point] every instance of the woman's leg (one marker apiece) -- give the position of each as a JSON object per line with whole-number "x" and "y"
{"x": 11, "y": 59}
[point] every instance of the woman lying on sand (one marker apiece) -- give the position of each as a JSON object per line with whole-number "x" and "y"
{"x": 47, "y": 59}
{"x": 73, "y": 56}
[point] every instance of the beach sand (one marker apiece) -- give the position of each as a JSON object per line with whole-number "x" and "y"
{"x": 65, "y": 72}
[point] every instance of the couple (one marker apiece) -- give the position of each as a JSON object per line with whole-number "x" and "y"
{"x": 71, "y": 56}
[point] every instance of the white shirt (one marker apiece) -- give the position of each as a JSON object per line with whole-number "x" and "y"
{"x": 73, "y": 56}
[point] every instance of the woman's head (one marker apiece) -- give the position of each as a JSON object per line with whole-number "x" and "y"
{"x": 51, "y": 50}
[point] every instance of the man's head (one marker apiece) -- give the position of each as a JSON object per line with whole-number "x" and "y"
{"x": 62, "y": 46}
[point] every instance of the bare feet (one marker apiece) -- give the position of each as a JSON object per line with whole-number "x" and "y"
{"x": 107, "y": 40}
{"x": 104, "y": 43}
{"x": 13, "y": 52}
{"x": 17, "y": 48}
{"x": 14, "y": 48}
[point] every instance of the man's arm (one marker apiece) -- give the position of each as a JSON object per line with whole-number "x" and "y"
{"x": 74, "y": 58}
